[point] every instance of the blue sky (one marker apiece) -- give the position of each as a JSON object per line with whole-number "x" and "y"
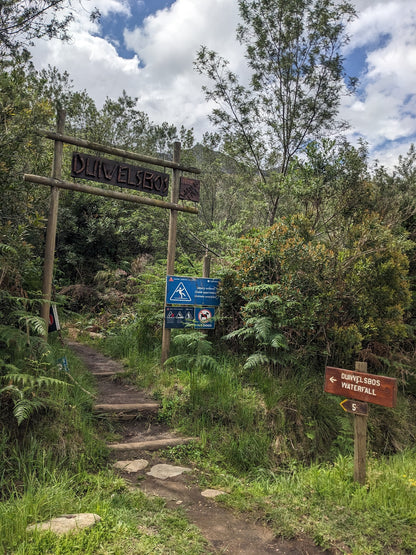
{"x": 147, "y": 47}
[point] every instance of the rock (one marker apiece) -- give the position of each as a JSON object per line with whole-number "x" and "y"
{"x": 131, "y": 466}
{"x": 66, "y": 523}
{"x": 164, "y": 471}
{"x": 211, "y": 493}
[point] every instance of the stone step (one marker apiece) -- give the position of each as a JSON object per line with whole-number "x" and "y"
{"x": 127, "y": 407}
{"x": 150, "y": 445}
{"x": 126, "y": 411}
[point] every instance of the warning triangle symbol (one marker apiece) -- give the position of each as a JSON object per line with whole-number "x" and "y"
{"x": 180, "y": 294}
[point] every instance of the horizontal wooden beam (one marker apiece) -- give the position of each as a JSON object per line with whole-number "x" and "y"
{"x": 51, "y": 182}
{"x": 116, "y": 151}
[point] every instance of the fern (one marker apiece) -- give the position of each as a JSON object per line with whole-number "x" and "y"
{"x": 23, "y": 408}
{"x": 241, "y": 332}
{"x": 193, "y": 342}
{"x": 6, "y": 366}
{"x": 13, "y": 390}
{"x": 34, "y": 382}
{"x": 255, "y": 360}
{"x": 196, "y": 352}
{"x": 189, "y": 362}
{"x": 13, "y": 337}
{"x": 35, "y": 323}
{"x": 7, "y": 249}
{"x": 261, "y": 331}
{"x": 279, "y": 341}
{"x": 22, "y": 388}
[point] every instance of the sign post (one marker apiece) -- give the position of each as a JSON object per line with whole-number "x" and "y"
{"x": 51, "y": 227}
{"x": 379, "y": 390}
{"x": 111, "y": 173}
{"x": 360, "y": 439}
{"x": 170, "y": 265}
{"x": 191, "y": 301}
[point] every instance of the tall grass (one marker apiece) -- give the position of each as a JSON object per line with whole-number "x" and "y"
{"x": 323, "y": 502}
{"x": 62, "y": 434}
{"x": 251, "y": 418}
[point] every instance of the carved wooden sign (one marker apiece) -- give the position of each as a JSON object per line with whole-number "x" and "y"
{"x": 354, "y": 407}
{"x": 380, "y": 390}
{"x": 189, "y": 189}
{"x": 119, "y": 174}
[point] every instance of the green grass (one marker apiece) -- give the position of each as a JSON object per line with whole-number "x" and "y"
{"x": 259, "y": 438}
{"x": 323, "y": 502}
{"x": 130, "y": 522}
{"x": 55, "y": 463}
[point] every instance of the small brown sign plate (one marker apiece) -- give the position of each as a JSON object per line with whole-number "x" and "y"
{"x": 354, "y": 407}
{"x": 379, "y": 390}
{"x": 189, "y": 189}
{"x": 119, "y": 174}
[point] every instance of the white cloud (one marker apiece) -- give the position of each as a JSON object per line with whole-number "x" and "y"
{"x": 106, "y": 7}
{"x": 170, "y": 38}
{"x": 161, "y": 74}
{"x": 386, "y": 108}
{"x": 91, "y": 61}
{"x": 376, "y": 19}
{"x": 165, "y": 43}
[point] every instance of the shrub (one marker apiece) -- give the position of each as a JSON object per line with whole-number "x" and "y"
{"x": 306, "y": 303}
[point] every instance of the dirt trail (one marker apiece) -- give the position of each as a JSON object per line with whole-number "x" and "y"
{"x": 141, "y": 435}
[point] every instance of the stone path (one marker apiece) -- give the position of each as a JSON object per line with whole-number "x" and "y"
{"x": 136, "y": 458}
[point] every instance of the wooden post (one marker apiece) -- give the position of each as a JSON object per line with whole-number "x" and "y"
{"x": 360, "y": 438}
{"x": 206, "y": 265}
{"x": 206, "y": 271}
{"x": 52, "y": 223}
{"x": 173, "y": 218}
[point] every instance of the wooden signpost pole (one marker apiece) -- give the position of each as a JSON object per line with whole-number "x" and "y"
{"x": 360, "y": 438}
{"x": 360, "y": 386}
{"x": 206, "y": 265}
{"x": 170, "y": 266}
{"x": 51, "y": 227}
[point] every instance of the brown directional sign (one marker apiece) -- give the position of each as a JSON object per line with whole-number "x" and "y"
{"x": 354, "y": 407}
{"x": 379, "y": 390}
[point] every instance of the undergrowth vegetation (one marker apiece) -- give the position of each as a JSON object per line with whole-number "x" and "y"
{"x": 317, "y": 267}
{"x": 282, "y": 450}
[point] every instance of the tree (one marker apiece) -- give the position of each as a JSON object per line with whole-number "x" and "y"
{"x": 293, "y": 50}
{"x": 21, "y": 21}
{"x": 331, "y": 185}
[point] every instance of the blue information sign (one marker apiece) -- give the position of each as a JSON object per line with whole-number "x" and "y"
{"x": 192, "y": 291}
{"x": 206, "y": 292}
{"x": 180, "y": 290}
{"x": 205, "y": 318}
{"x": 180, "y": 317}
